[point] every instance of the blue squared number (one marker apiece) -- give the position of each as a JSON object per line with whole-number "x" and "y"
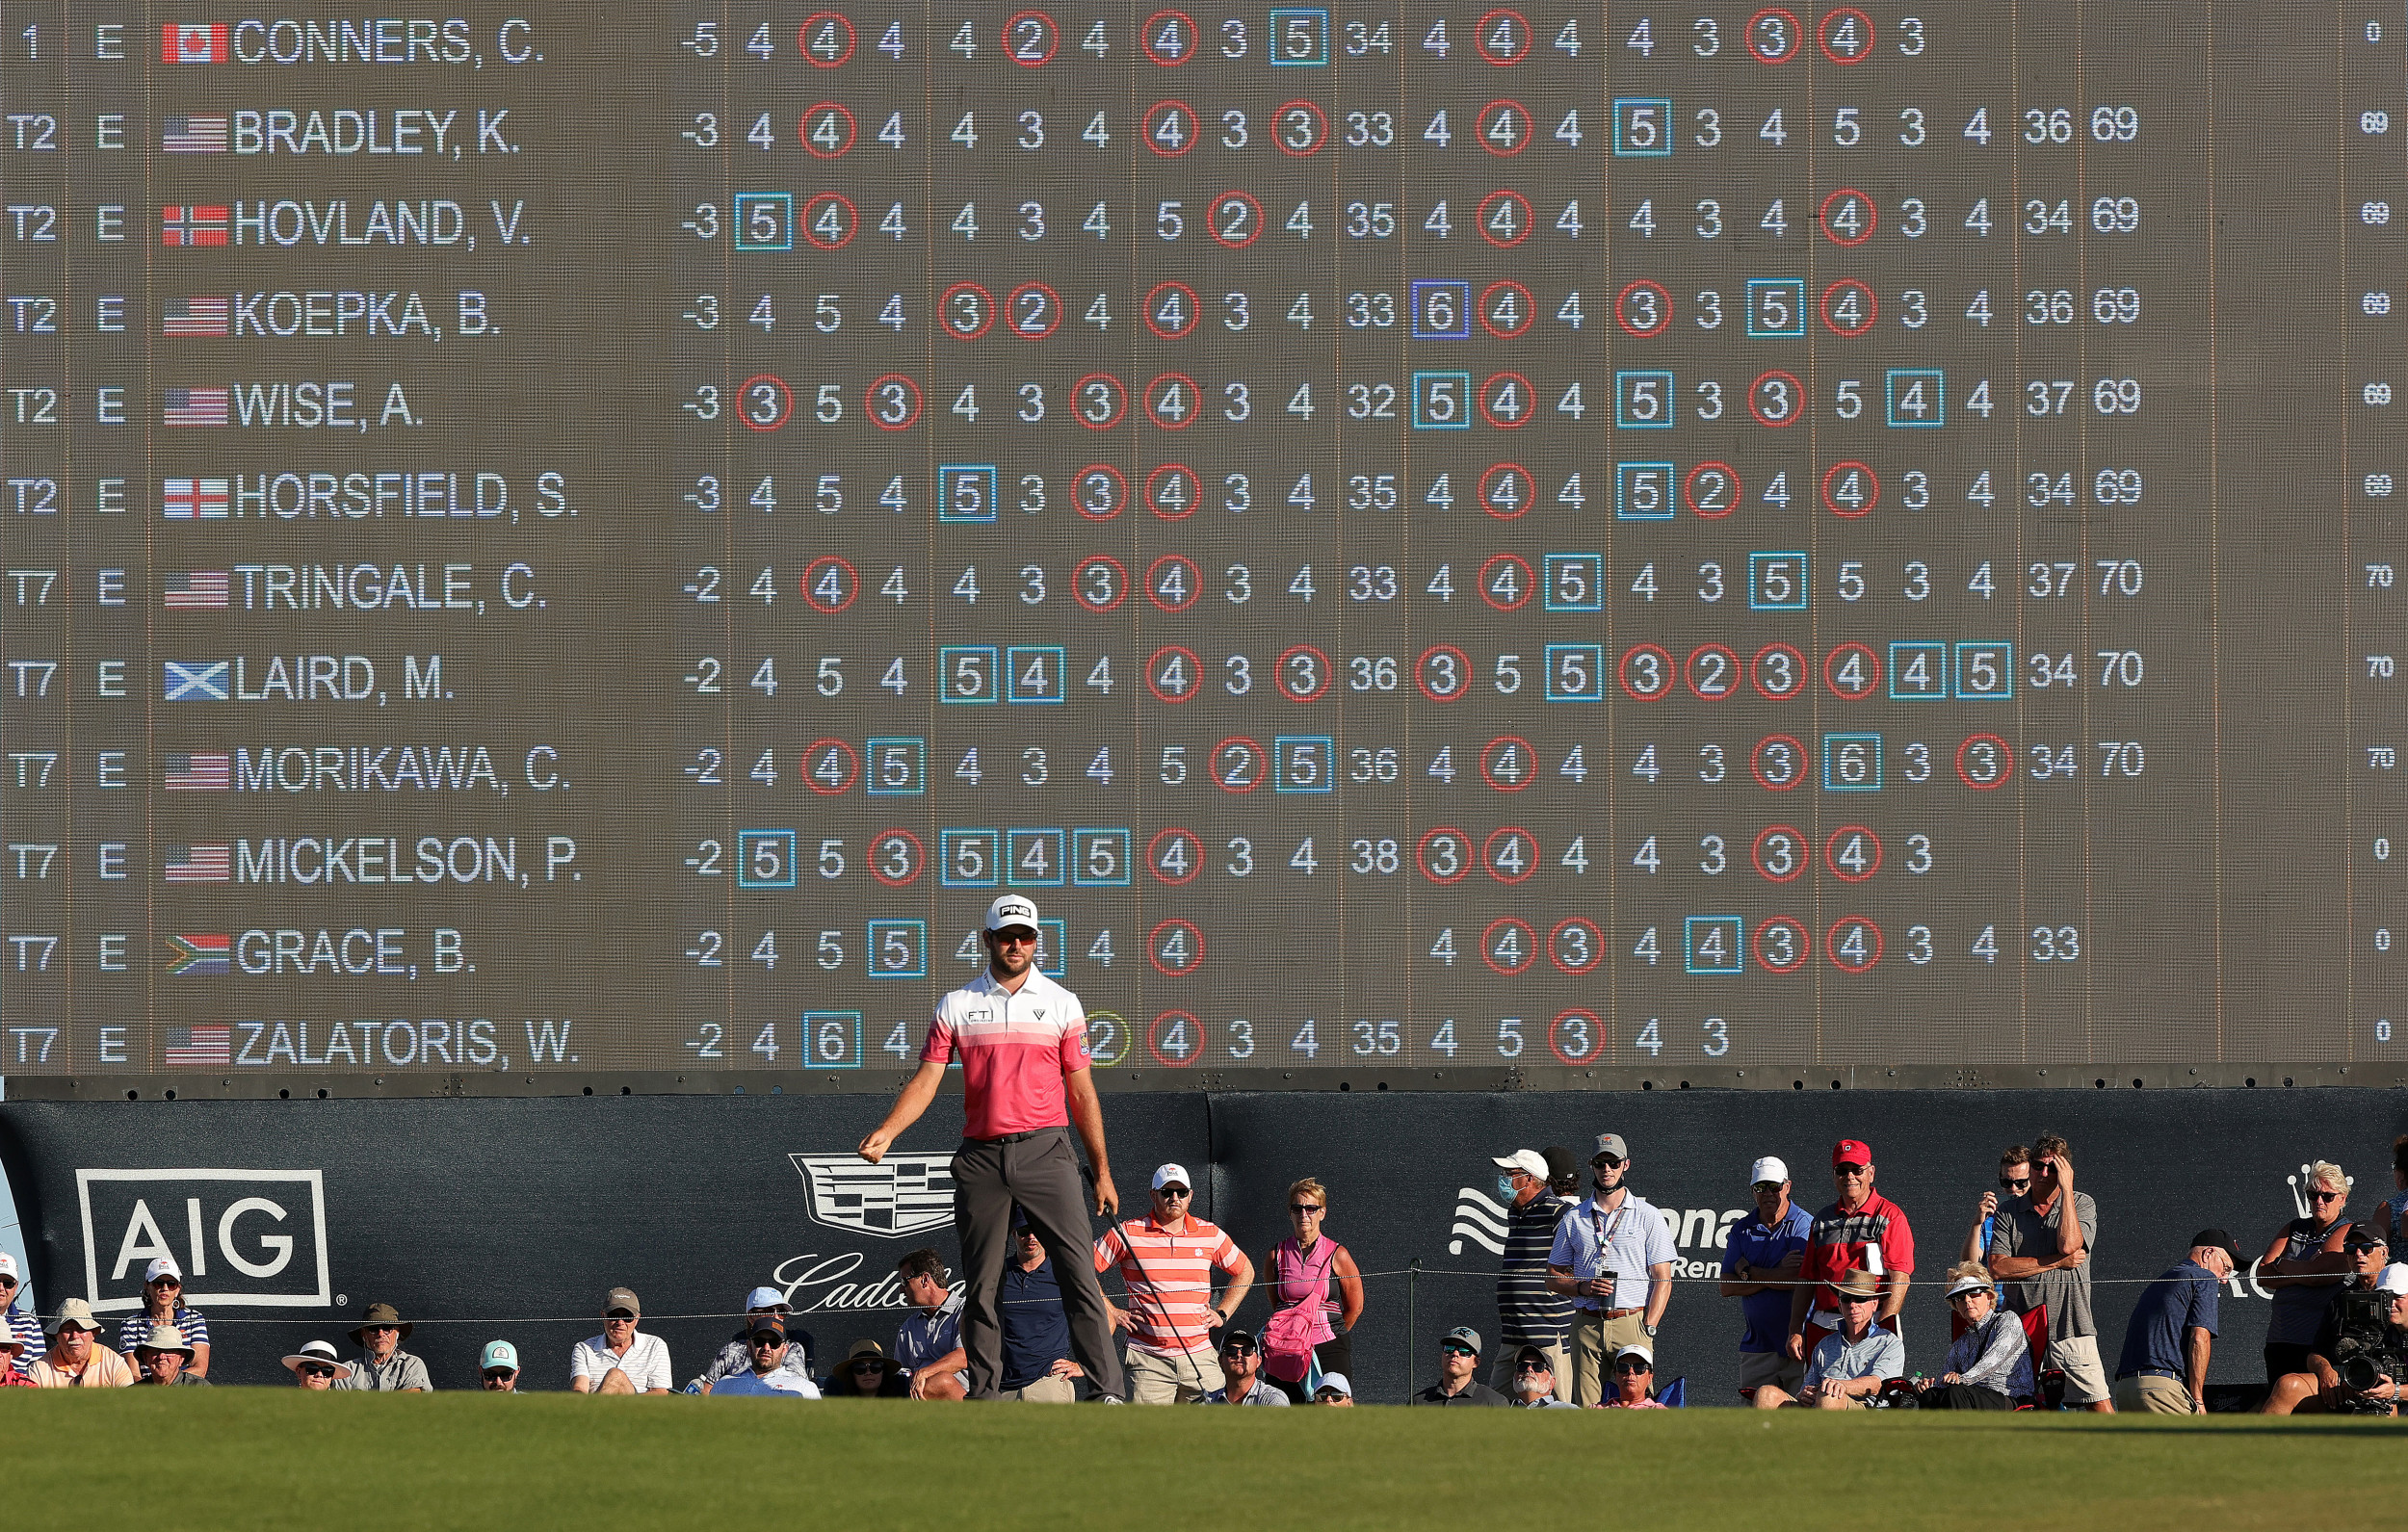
{"x": 832, "y": 1039}
{"x": 1099, "y": 858}
{"x": 1985, "y": 670}
{"x": 1642, "y": 491}
{"x": 765, "y": 221}
{"x": 1033, "y": 858}
{"x": 765, "y": 859}
{"x": 967, "y": 673}
{"x": 1916, "y": 397}
{"x": 1919, "y": 671}
{"x": 1714, "y": 944}
{"x": 1776, "y": 581}
{"x": 1576, "y": 582}
{"x": 1303, "y": 763}
{"x": 1299, "y": 40}
{"x": 965, "y": 492}
{"x": 1851, "y": 763}
{"x": 1642, "y": 127}
{"x": 1442, "y": 402}
{"x": 899, "y": 949}
{"x": 967, "y": 859}
{"x": 1034, "y": 673}
{"x": 1442, "y": 309}
{"x": 1644, "y": 400}
{"x": 1575, "y": 672}
{"x": 899, "y": 767}
{"x": 1053, "y": 940}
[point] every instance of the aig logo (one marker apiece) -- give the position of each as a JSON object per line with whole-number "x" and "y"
{"x": 243, "y": 1237}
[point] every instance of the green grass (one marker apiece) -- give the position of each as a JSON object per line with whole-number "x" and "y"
{"x": 274, "y": 1458}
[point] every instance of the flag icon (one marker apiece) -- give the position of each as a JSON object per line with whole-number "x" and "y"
{"x": 201, "y": 956}
{"x": 199, "y": 590}
{"x": 200, "y": 135}
{"x": 193, "y": 499}
{"x": 193, "y": 43}
{"x": 200, "y": 772}
{"x": 196, "y": 680}
{"x": 194, "y": 225}
{"x": 198, "y": 316}
{"x": 197, "y": 407}
{"x": 198, "y": 1047}
{"x": 199, "y": 864}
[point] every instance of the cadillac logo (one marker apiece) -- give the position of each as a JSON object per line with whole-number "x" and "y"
{"x": 901, "y": 1195}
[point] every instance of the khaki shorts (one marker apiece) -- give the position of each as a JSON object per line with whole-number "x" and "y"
{"x": 1171, "y": 1380}
{"x": 2146, "y": 1394}
{"x": 1044, "y": 1390}
{"x": 1757, "y": 1368}
{"x": 1595, "y": 1339}
{"x": 2078, "y": 1357}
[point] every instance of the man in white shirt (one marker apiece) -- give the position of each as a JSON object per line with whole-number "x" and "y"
{"x": 767, "y": 1377}
{"x": 620, "y": 1360}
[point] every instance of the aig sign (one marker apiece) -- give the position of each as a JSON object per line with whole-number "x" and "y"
{"x": 243, "y": 1237}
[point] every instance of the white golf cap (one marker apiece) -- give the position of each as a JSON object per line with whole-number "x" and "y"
{"x": 8, "y": 1265}
{"x": 1525, "y": 1160}
{"x": 2394, "y": 1280}
{"x": 1767, "y": 1169}
{"x": 1011, "y": 910}
{"x": 1634, "y": 1349}
{"x": 1335, "y": 1383}
{"x": 1172, "y": 1176}
{"x": 161, "y": 1266}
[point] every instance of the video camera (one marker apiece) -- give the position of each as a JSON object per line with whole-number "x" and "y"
{"x": 2366, "y": 1349}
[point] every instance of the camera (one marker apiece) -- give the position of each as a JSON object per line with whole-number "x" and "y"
{"x": 2365, "y": 1349}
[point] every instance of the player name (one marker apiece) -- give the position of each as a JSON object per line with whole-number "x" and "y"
{"x": 300, "y": 678}
{"x": 317, "y": 494}
{"x": 357, "y": 588}
{"x": 307, "y": 860}
{"x": 291, "y": 221}
{"x": 349, "y": 39}
{"x": 404, "y": 130}
{"x": 332, "y": 315}
{"x": 429, "y": 1040}
{"x": 366, "y": 769}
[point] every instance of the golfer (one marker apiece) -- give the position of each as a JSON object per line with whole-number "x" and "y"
{"x": 1021, "y": 1040}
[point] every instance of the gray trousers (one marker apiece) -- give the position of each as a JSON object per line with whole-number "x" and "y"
{"x": 1040, "y": 1172}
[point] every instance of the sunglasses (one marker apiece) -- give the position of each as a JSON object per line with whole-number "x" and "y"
{"x": 316, "y": 1372}
{"x": 1607, "y": 1163}
{"x": 500, "y": 1375}
{"x": 1849, "y": 1169}
{"x": 2015, "y": 1183}
{"x": 8, "y": 1281}
{"x": 769, "y": 1340}
{"x": 380, "y": 1330}
{"x": 166, "y": 1282}
{"x": 1237, "y": 1351}
{"x": 2326, "y": 1196}
{"x": 1633, "y": 1367}
{"x": 1533, "y": 1366}
{"x": 1458, "y": 1349}
{"x": 1328, "y": 1396}
{"x": 868, "y": 1366}
{"x": 1013, "y": 938}
{"x": 1173, "y": 1193}
{"x": 1304, "y": 1210}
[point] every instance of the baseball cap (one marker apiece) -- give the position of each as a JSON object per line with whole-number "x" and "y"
{"x": 765, "y": 1298}
{"x": 1537, "y": 1354}
{"x": 2394, "y": 1280}
{"x": 1527, "y": 1160}
{"x": 1464, "y": 1334}
{"x": 2362, "y": 1236}
{"x": 621, "y": 1298}
{"x": 766, "y": 1324}
{"x": 1559, "y": 1164}
{"x": 1767, "y": 1169}
{"x": 1173, "y": 1175}
{"x": 1851, "y": 1152}
{"x": 2221, "y": 1240}
{"x": 161, "y": 1266}
{"x": 7, "y": 1266}
{"x": 1335, "y": 1383}
{"x": 498, "y": 1354}
{"x": 1238, "y": 1341}
{"x": 1611, "y": 1144}
{"x": 1634, "y": 1349}
{"x": 9, "y": 1340}
{"x": 1011, "y": 910}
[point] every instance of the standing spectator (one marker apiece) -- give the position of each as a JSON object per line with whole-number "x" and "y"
{"x": 2164, "y": 1369}
{"x": 1459, "y": 1359}
{"x": 497, "y": 1367}
{"x": 620, "y": 1360}
{"x": 1563, "y": 1172}
{"x": 1990, "y": 1365}
{"x": 12, "y": 1348}
{"x": 316, "y": 1367}
{"x": 2303, "y": 1265}
{"x": 161, "y": 1360}
{"x": 2014, "y": 1179}
{"x": 2044, "y": 1253}
{"x": 1849, "y": 1364}
{"x": 1761, "y": 1262}
{"x": 1037, "y": 1366}
{"x": 1024, "y": 1078}
{"x": 1533, "y": 1385}
{"x": 1315, "y": 1296}
{"x": 1613, "y": 1256}
{"x": 928, "y": 1343}
{"x": 20, "y": 1318}
{"x": 736, "y": 1356}
{"x": 1334, "y": 1388}
{"x": 1240, "y": 1375}
{"x": 1166, "y": 1263}
{"x": 2394, "y": 1207}
{"x": 1529, "y": 1311}
{"x": 768, "y": 1376}
{"x": 162, "y": 1295}
{"x": 868, "y": 1373}
{"x": 384, "y": 1366}
{"x": 74, "y": 1361}
{"x": 1634, "y": 1377}
{"x": 1862, "y": 1230}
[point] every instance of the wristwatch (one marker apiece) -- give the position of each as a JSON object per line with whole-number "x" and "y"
{"x": 1647, "y": 1329}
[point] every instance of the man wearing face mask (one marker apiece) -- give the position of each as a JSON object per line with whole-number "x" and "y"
{"x": 1612, "y": 1257}
{"x": 1530, "y": 1314}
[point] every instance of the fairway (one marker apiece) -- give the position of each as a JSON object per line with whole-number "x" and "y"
{"x": 266, "y": 1458}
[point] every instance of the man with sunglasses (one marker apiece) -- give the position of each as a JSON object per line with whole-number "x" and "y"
{"x": 1532, "y": 1384}
{"x": 1862, "y": 1230}
{"x": 497, "y": 1367}
{"x": 1530, "y": 1314}
{"x": 1459, "y": 1359}
{"x": 1242, "y": 1374}
{"x": 2014, "y": 1178}
{"x": 1166, "y": 1261}
{"x": 1037, "y": 1366}
{"x": 20, "y": 1318}
{"x": 767, "y": 1378}
{"x": 2040, "y": 1249}
{"x": 1613, "y": 1256}
{"x": 1021, "y": 1040}
{"x": 1761, "y": 1262}
{"x": 2305, "y": 1267}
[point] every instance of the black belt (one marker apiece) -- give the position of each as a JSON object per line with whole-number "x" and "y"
{"x": 1014, "y": 1138}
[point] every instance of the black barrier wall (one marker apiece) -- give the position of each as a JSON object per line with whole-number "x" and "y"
{"x": 510, "y": 1219}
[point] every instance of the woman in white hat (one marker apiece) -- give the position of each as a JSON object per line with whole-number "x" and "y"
{"x": 1990, "y": 1365}
{"x": 74, "y": 1361}
{"x": 163, "y": 1304}
{"x": 315, "y": 1365}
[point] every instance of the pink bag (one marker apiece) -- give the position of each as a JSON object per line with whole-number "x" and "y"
{"x": 1289, "y": 1340}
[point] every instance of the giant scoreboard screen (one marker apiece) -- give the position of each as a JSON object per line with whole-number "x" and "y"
{"x": 572, "y": 538}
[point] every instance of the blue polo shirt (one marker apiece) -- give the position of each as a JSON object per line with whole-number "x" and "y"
{"x": 1036, "y": 1333}
{"x": 2153, "y": 1340}
{"x": 1765, "y": 1314}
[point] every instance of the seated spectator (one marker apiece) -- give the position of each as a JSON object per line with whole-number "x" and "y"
{"x": 2172, "y": 1331}
{"x": 1037, "y": 1366}
{"x": 1534, "y": 1381}
{"x": 1334, "y": 1388}
{"x": 1989, "y": 1365}
{"x": 21, "y": 1320}
{"x": 1849, "y": 1364}
{"x": 162, "y": 1295}
{"x": 12, "y": 1348}
{"x": 928, "y": 1343}
{"x": 384, "y": 1366}
{"x": 767, "y": 1377}
{"x": 1458, "y": 1357}
{"x": 74, "y": 1361}
{"x": 2391, "y": 1215}
{"x": 736, "y": 1356}
{"x": 315, "y": 1365}
{"x": 868, "y": 1373}
{"x": 1633, "y": 1378}
{"x": 1242, "y": 1374}
{"x": 159, "y": 1360}
{"x": 622, "y": 1359}
{"x": 2319, "y": 1389}
{"x": 497, "y": 1367}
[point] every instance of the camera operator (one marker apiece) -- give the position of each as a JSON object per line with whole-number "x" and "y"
{"x": 2361, "y": 1350}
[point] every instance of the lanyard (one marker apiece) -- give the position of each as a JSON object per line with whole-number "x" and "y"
{"x": 1607, "y": 1230}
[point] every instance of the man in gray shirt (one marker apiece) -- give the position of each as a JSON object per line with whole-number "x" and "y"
{"x": 384, "y": 1366}
{"x": 2042, "y": 1256}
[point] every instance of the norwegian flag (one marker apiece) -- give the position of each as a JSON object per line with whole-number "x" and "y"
{"x": 180, "y": 226}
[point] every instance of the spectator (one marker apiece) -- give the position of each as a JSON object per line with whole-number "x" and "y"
{"x": 1334, "y": 1388}
{"x": 1851, "y": 1363}
{"x": 384, "y": 1366}
{"x": 1316, "y": 1297}
{"x": 1612, "y": 1257}
{"x": 1533, "y": 1385}
{"x": 2164, "y": 1369}
{"x": 868, "y": 1373}
{"x": 1240, "y": 1375}
{"x": 1038, "y": 1364}
{"x": 159, "y": 1360}
{"x": 14, "y": 1348}
{"x": 20, "y": 1318}
{"x": 1863, "y": 1230}
{"x": 928, "y": 1343}
{"x": 73, "y": 1360}
{"x": 2316, "y": 1388}
{"x": 1564, "y": 1172}
{"x": 1761, "y": 1261}
{"x": 2304, "y": 1267}
{"x": 1990, "y": 1363}
{"x": 1529, "y": 1313}
{"x": 736, "y": 1356}
{"x": 1166, "y": 1263}
{"x": 163, "y": 1294}
{"x": 2388, "y": 1217}
{"x": 1459, "y": 1359}
{"x": 620, "y": 1360}
{"x": 2014, "y": 1179}
{"x": 316, "y": 1366}
{"x": 497, "y": 1367}
{"x": 767, "y": 1377}
{"x": 2045, "y": 1257}
{"x": 1634, "y": 1377}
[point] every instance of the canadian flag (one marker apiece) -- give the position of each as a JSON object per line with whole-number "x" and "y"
{"x": 193, "y": 43}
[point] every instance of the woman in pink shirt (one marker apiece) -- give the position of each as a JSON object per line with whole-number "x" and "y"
{"x": 1315, "y": 1282}
{"x": 1634, "y": 1374}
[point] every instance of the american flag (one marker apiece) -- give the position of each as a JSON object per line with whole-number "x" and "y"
{"x": 199, "y": 864}
{"x": 198, "y": 1047}
{"x": 194, "y": 225}
{"x": 200, "y": 772}
{"x": 204, "y": 135}
{"x": 193, "y": 499}
{"x": 198, "y": 316}
{"x": 197, "y": 407}
{"x": 199, "y": 590}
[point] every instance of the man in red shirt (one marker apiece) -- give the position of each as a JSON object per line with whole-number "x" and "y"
{"x": 1863, "y": 1228}
{"x": 1021, "y": 1040}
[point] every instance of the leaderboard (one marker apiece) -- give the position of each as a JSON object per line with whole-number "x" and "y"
{"x": 1423, "y": 536}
